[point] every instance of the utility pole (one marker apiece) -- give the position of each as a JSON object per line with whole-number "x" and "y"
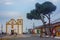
{"x": 1, "y": 30}
{"x": 26, "y": 30}
{"x": 33, "y": 25}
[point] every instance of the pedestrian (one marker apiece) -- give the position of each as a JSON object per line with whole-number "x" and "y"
{"x": 54, "y": 33}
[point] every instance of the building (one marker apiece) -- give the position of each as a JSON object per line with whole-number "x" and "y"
{"x": 30, "y": 31}
{"x": 14, "y": 26}
{"x": 37, "y": 30}
{"x": 43, "y": 29}
{"x": 56, "y": 29}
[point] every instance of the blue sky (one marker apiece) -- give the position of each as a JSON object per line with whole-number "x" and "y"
{"x": 18, "y": 8}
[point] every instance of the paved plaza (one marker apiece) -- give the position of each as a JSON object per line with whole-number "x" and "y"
{"x": 27, "y": 37}
{"x": 35, "y": 38}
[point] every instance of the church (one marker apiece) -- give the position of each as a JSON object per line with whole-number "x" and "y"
{"x": 14, "y": 26}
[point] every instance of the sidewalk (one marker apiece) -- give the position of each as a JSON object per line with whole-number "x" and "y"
{"x": 17, "y": 36}
{"x": 57, "y": 37}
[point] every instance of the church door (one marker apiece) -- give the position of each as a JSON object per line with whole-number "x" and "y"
{"x": 12, "y": 32}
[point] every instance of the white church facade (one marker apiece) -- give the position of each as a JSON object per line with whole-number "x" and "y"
{"x": 14, "y": 26}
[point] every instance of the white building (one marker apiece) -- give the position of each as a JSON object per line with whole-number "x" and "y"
{"x": 14, "y": 26}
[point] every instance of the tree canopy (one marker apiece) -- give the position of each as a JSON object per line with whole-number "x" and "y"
{"x": 44, "y": 8}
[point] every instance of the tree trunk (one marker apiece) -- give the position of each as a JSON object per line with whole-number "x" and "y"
{"x": 48, "y": 17}
{"x": 49, "y": 24}
{"x": 42, "y": 19}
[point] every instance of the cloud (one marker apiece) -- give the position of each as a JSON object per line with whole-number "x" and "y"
{"x": 6, "y": 2}
{"x": 10, "y": 2}
{"x": 54, "y": 1}
{"x": 10, "y": 14}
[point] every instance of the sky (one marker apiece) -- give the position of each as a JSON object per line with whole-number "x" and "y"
{"x": 19, "y": 8}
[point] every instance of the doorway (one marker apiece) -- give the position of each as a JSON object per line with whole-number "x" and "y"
{"x": 12, "y": 32}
